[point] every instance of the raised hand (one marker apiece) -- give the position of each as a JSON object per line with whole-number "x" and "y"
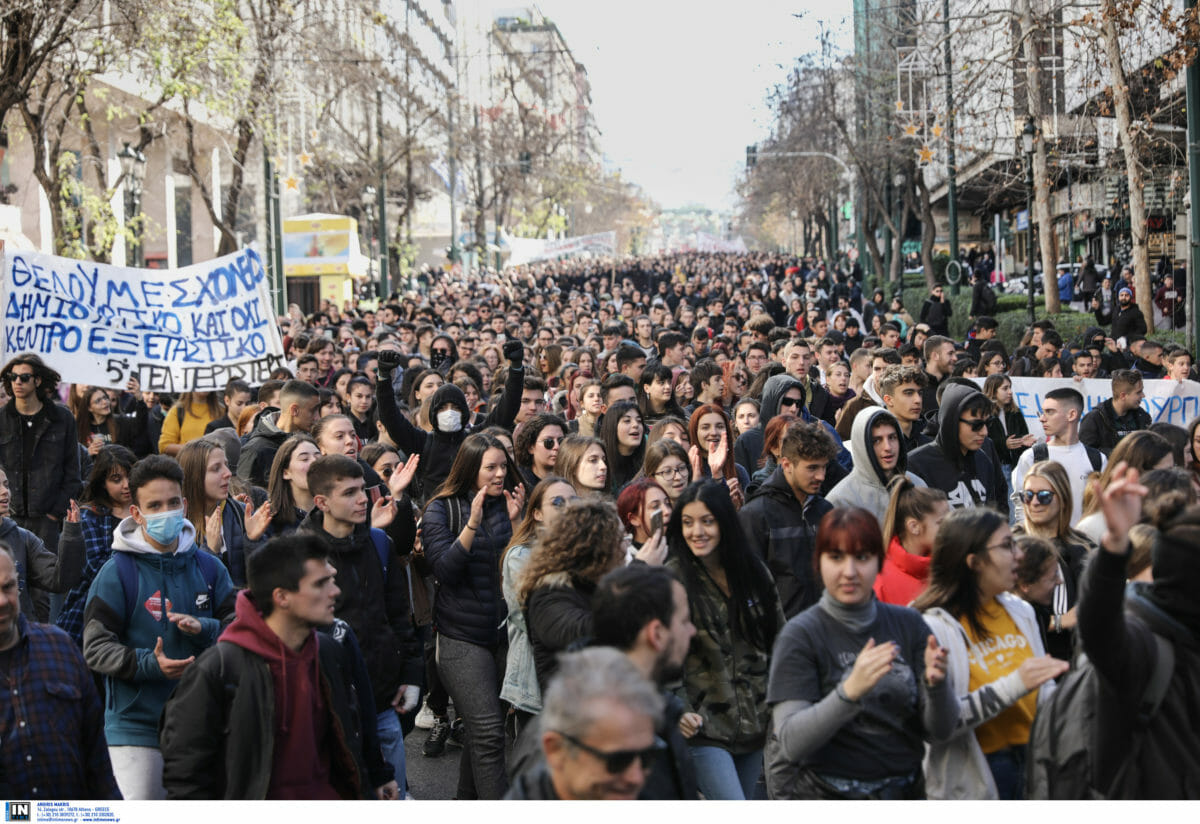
{"x": 213, "y": 538}
{"x": 402, "y": 476}
{"x": 1121, "y": 502}
{"x": 716, "y": 458}
{"x": 694, "y": 460}
{"x": 654, "y": 551}
{"x": 935, "y": 662}
{"x": 872, "y": 663}
{"x": 383, "y": 512}
{"x": 257, "y": 520}
{"x": 73, "y": 512}
{"x": 476, "y": 516}
{"x": 515, "y": 502}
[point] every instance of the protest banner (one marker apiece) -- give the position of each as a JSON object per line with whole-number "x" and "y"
{"x": 1176, "y": 402}
{"x": 526, "y": 250}
{"x": 176, "y": 330}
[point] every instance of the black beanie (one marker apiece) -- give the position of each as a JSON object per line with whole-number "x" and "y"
{"x": 1176, "y": 568}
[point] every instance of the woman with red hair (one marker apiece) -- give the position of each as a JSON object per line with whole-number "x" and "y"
{"x": 644, "y": 507}
{"x": 857, "y": 686}
{"x": 711, "y": 434}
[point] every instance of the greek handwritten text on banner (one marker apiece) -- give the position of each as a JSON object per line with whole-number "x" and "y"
{"x": 175, "y": 330}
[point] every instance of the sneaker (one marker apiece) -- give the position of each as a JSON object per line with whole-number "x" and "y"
{"x": 457, "y": 731}
{"x": 425, "y": 718}
{"x": 435, "y": 744}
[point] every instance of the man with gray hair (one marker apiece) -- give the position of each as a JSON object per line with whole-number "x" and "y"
{"x": 598, "y": 720}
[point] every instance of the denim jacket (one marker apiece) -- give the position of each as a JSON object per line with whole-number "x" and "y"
{"x": 520, "y": 686}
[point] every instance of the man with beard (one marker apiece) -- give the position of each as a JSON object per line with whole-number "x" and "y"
{"x": 1128, "y": 319}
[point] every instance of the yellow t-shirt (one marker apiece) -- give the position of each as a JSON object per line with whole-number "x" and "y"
{"x": 1002, "y": 653}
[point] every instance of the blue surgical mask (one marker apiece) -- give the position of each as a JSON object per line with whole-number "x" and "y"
{"x": 164, "y": 527}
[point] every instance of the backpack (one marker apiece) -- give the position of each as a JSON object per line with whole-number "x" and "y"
{"x": 1041, "y": 452}
{"x": 210, "y": 567}
{"x": 380, "y": 539}
{"x": 1062, "y": 742}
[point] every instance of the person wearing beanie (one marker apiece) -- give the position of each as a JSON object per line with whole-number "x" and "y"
{"x": 1127, "y": 319}
{"x": 1117, "y": 628}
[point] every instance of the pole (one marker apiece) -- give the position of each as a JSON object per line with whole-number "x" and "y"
{"x": 1070, "y": 225}
{"x": 453, "y": 181}
{"x": 951, "y": 162}
{"x": 1029, "y": 234}
{"x": 385, "y": 288}
{"x": 1193, "y": 137}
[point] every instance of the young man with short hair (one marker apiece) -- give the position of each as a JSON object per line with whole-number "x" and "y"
{"x": 758, "y": 355}
{"x": 670, "y": 351}
{"x": 236, "y": 397}
{"x": 1179, "y": 365}
{"x": 708, "y": 384}
{"x": 631, "y": 361}
{"x": 940, "y": 356}
{"x": 288, "y": 692}
{"x": 889, "y": 335}
{"x": 616, "y": 388}
{"x": 901, "y": 388}
{"x": 878, "y": 447}
{"x": 780, "y": 519}
{"x": 1106, "y": 424}
{"x": 1061, "y": 412}
{"x": 374, "y": 594}
{"x": 155, "y": 605}
{"x": 298, "y": 402}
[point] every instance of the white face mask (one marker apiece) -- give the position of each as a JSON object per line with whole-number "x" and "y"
{"x": 449, "y": 420}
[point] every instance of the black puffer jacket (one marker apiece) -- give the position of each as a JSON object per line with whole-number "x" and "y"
{"x": 254, "y": 462}
{"x": 438, "y": 449}
{"x": 559, "y": 613}
{"x": 782, "y": 532}
{"x": 1103, "y": 429}
{"x": 53, "y": 468}
{"x": 376, "y": 607}
{"x": 469, "y": 605}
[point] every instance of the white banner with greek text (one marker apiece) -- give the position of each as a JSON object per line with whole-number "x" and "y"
{"x": 176, "y": 330}
{"x": 1176, "y": 402}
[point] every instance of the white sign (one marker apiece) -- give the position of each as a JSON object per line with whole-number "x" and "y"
{"x": 1176, "y": 402}
{"x": 525, "y": 250}
{"x": 176, "y": 330}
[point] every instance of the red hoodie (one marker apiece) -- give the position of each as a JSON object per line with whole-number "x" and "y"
{"x": 903, "y": 576}
{"x": 300, "y": 767}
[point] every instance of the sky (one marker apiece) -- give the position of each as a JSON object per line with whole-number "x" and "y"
{"x": 679, "y": 87}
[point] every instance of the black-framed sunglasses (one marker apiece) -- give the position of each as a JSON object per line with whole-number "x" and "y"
{"x": 789, "y": 402}
{"x": 1044, "y": 496}
{"x": 977, "y": 424}
{"x": 20, "y": 377}
{"x": 619, "y": 760}
{"x": 550, "y": 443}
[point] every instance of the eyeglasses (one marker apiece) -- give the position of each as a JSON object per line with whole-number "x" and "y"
{"x": 790, "y": 402}
{"x": 1044, "y": 496}
{"x": 550, "y": 443}
{"x": 1008, "y": 546}
{"x": 619, "y": 760}
{"x": 559, "y": 501}
{"x": 672, "y": 472}
{"x": 976, "y": 424}
{"x": 21, "y": 377}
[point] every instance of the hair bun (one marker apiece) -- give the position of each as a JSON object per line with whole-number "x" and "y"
{"x": 1170, "y": 509}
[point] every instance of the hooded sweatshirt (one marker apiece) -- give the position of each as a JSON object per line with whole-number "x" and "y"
{"x": 120, "y": 646}
{"x": 748, "y": 448}
{"x": 968, "y": 480}
{"x": 866, "y": 399}
{"x": 866, "y": 485}
{"x": 300, "y": 761}
{"x": 254, "y": 462}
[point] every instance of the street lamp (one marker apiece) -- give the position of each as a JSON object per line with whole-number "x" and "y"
{"x": 897, "y": 182}
{"x": 1028, "y": 135}
{"x": 133, "y": 166}
{"x": 369, "y": 193}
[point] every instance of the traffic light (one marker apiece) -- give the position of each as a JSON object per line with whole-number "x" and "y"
{"x": 751, "y": 156}
{"x": 847, "y": 211}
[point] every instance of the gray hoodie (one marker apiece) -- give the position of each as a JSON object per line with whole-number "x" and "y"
{"x": 866, "y": 485}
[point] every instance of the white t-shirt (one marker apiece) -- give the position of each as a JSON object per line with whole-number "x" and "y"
{"x": 1072, "y": 458}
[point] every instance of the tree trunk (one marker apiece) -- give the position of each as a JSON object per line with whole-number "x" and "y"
{"x": 1041, "y": 176}
{"x": 1133, "y": 170}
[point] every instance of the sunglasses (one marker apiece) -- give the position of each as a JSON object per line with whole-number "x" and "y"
{"x": 1044, "y": 496}
{"x": 976, "y": 425}
{"x": 790, "y": 402}
{"x": 21, "y": 377}
{"x": 550, "y": 443}
{"x": 619, "y": 761}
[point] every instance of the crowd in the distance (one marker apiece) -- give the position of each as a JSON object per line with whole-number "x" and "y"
{"x": 675, "y": 527}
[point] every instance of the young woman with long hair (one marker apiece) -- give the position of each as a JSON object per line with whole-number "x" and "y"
{"x": 737, "y": 614}
{"x": 521, "y": 688}
{"x": 711, "y": 435}
{"x": 1048, "y": 503}
{"x": 857, "y": 685}
{"x": 745, "y": 416}
{"x": 103, "y": 504}
{"x": 910, "y": 527}
{"x": 187, "y": 420}
{"x": 997, "y": 666}
{"x": 656, "y": 398}
{"x": 637, "y": 506}
{"x": 1006, "y": 429}
{"x": 467, "y": 525}
{"x": 623, "y": 434}
{"x": 1142, "y": 450}
{"x": 226, "y": 527}
{"x": 555, "y": 589}
{"x": 670, "y": 429}
{"x": 584, "y": 463}
{"x": 99, "y": 425}
{"x": 667, "y": 462}
{"x": 287, "y": 487}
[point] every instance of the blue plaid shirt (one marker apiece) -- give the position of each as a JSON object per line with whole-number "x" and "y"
{"x": 52, "y": 743}
{"x": 97, "y": 525}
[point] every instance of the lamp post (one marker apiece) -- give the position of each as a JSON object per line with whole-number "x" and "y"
{"x": 369, "y": 194}
{"x": 795, "y": 215}
{"x": 897, "y": 183}
{"x": 133, "y": 166}
{"x": 1028, "y": 135}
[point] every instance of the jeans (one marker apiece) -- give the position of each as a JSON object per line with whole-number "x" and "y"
{"x": 723, "y": 776}
{"x": 138, "y": 771}
{"x": 391, "y": 743}
{"x": 1008, "y": 771}
{"x": 472, "y": 675}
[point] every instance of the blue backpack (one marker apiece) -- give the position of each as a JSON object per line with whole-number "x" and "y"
{"x": 380, "y": 539}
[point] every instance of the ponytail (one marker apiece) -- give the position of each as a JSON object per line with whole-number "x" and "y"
{"x": 907, "y": 500}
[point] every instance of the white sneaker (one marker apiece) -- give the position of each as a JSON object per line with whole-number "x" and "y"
{"x": 425, "y": 718}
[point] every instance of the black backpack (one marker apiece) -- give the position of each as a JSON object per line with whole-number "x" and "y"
{"x": 1063, "y": 741}
{"x": 1041, "y": 452}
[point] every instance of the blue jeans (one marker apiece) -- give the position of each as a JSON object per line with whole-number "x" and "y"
{"x": 391, "y": 743}
{"x": 1008, "y": 771}
{"x": 723, "y": 776}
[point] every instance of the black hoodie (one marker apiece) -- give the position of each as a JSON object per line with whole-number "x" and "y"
{"x": 968, "y": 480}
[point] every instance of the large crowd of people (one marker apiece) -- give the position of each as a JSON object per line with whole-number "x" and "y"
{"x": 676, "y": 527}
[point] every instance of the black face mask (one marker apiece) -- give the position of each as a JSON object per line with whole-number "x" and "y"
{"x": 438, "y": 358}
